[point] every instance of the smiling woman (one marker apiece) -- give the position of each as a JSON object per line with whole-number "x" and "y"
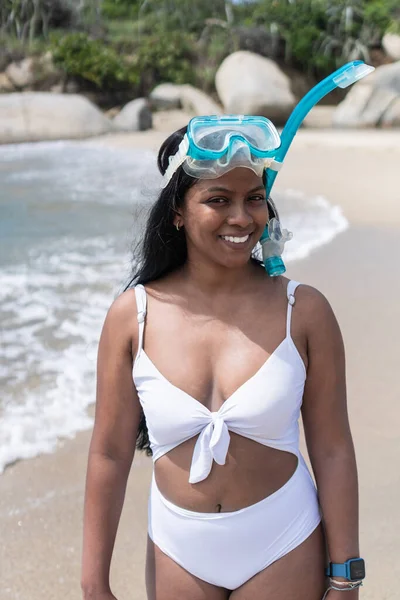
{"x": 207, "y": 365}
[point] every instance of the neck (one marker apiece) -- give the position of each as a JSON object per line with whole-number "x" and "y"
{"x": 219, "y": 280}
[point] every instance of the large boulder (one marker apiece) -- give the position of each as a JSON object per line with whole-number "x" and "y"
{"x": 373, "y": 101}
{"x": 197, "y": 103}
{"x": 169, "y": 96}
{"x": 391, "y": 45}
{"x": 166, "y": 96}
{"x": 37, "y": 116}
{"x": 135, "y": 116}
{"x": 250, "y": 84}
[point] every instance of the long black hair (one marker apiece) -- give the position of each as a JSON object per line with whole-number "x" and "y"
{"x": 162, "y": 248}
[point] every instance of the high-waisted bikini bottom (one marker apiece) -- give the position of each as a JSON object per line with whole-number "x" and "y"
{"x": 226, "y": 549}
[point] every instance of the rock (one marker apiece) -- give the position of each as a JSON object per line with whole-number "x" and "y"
{"x": 135, "y": 116}
{"x": 34, "y": 73}
{"x": 21, "y": 73}
{"x": 197, "y": 103}
{"x": 36, "y": 116}
{"x": 112, "y": 112}
{"x": 45, "y": 73}
{"x": 253, "y": 85}
{"x": 391, "y": 118}
{"x": 166, "y": 96}
{"x": 391, "y": 45}
{"x": 320, "y": 117}
{"x": 5, "y": 84}
{"x": 371, "y": 101}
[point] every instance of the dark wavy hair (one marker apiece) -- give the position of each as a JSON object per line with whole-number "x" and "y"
{"x": 162, "y": 248}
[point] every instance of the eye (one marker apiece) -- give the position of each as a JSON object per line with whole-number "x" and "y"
{"x": 257, "y": 199}
{"x": 217, "y": 200}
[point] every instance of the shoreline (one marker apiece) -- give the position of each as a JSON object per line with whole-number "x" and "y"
{"x": 41, "y": 498}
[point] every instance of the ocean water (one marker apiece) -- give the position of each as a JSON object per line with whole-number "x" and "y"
{"x": 69, "y": 214}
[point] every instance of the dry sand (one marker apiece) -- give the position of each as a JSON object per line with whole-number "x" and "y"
{"x": 41, "y": 499}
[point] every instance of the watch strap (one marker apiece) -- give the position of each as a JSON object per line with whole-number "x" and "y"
{"x": 338, "y": 570}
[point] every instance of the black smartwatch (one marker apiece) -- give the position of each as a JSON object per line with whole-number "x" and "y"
{"x": 353, "y": 569}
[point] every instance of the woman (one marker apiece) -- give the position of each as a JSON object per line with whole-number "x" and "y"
{"x": 214, "y": 359}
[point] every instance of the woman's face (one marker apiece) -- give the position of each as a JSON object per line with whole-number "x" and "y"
{"x": 224, "y": 218}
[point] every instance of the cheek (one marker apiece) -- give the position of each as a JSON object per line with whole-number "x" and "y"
{"x": 203, "y": 221}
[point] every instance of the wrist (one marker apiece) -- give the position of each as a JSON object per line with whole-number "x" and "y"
{"x": 91, "y": 589}
{"x": 350, "y": 570}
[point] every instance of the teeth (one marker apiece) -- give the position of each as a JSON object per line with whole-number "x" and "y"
{"x": 236, "y": 240}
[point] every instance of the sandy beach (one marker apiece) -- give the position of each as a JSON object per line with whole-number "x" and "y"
{"x": 41, "y": 499}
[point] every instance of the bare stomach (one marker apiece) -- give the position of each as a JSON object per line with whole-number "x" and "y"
{"x": 251, "y": 472}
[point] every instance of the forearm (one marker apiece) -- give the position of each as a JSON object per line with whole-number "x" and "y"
{"x": 104, "y": 497}
{"x": 337, "y": 483}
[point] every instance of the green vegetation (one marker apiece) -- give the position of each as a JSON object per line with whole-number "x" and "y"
{"x": 93, "y": 61}
{"x": 135, "y": 44}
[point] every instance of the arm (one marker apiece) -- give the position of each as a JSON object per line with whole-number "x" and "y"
{"x": 327, "y": 432}
{"x": 112, "y": 445}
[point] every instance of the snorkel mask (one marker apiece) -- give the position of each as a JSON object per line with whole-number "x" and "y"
{"x": 214, "y": 145}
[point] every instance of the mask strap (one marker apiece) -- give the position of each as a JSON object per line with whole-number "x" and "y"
{"x": 176, "y": 160}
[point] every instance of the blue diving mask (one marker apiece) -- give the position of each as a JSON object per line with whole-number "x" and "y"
{"x": 215, "y": 145}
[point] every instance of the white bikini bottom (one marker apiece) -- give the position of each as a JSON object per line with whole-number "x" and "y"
{"x": 226, "y": 549}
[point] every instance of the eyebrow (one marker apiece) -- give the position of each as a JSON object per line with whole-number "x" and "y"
{"x": 223, "y": 189}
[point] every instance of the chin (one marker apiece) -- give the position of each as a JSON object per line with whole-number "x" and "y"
{"x": 234, "y": 263}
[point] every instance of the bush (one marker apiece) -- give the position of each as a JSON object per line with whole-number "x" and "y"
{"x": 165, "y": 57}
{"x": 93, "y": 61}
{"x": 120, "y": 9}
{"x": 320, "y": 35}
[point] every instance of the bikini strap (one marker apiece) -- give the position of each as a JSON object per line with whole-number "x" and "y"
{"x": 141, "y": 302}
{"x": 291, "y": 288}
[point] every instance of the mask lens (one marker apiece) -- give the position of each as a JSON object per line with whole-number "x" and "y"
{"x": 215, "y": 134}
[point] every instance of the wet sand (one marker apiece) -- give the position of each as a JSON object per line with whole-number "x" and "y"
{"x": 41, "y": 499}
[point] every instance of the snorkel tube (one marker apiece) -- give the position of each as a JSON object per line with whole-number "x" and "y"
{"x": 343, "y": 77}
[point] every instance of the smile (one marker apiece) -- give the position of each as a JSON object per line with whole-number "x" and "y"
{"x": 234, "y": 239}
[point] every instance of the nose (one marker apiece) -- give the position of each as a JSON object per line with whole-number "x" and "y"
{"x": 239, "y": 215}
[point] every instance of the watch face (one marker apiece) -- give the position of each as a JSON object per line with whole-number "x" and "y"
{"x": 357, "y": 569}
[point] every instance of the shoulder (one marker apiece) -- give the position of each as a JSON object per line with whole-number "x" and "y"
{"x": 317, "y": 315}
{"x": 121, "y": 318}
{"x": 311, "y": 301}
{"x": 123, "y": 307}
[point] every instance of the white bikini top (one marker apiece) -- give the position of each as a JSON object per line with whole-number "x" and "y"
{"x": 266, "y": 408}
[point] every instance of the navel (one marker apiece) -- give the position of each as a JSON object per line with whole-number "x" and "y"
{"x": 219, "y": 506}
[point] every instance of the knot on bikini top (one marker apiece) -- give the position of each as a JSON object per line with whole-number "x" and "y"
{"x": 212, "y": 444}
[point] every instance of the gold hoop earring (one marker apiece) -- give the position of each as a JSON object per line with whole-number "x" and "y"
{"x": 178, "y": 226}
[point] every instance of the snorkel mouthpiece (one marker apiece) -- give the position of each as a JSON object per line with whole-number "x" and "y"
{"x": 272, "y": 242}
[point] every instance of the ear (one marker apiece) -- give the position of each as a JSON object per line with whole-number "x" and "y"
{"x": 178, "y": 219}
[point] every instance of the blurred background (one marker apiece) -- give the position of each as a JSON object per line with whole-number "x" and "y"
{"x": 89, "y": 89}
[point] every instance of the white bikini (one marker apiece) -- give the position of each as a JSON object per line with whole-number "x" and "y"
{"x": 226, "y": 549}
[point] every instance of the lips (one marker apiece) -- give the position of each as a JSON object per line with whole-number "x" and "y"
{"x": 236, "y": 241}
